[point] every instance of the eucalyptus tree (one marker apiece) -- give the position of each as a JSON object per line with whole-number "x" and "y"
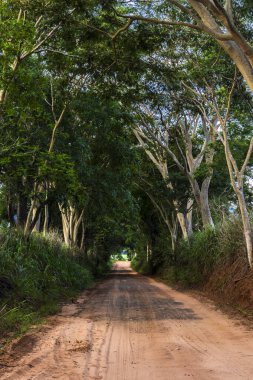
{"x": 160, "y": 159}
{"x": 230, "y": 117}
{"x": 228, "y": 22}
{"x": 170, "y": 124}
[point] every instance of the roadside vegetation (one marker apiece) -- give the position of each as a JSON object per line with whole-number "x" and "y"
{"x": 36, "y": 276}
{"x": 213, "y": 261}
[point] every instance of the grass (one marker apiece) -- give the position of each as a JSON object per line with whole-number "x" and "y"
{"x": 35, "y": 276}
{"x": 194, "y": 261}
{"x": 141, "y": 266}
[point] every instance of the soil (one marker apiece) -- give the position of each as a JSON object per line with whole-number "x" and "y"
{"x": 131, "y": 327}
{"x": 233, "y": 282}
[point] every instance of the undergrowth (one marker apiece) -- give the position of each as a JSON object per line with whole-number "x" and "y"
{"x": 35, "y": 276}
{"x": 141, "y": 266}
{"x": 193, "y": 262}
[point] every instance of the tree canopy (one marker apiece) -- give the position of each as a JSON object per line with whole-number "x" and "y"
{"x": 126, "y": 123}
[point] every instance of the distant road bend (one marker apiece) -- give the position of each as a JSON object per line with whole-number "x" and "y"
{"x": 130, "y": 327}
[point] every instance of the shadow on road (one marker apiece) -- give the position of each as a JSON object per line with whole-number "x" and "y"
{"x": 128, "y": 296}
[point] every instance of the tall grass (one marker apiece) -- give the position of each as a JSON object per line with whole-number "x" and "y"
{"x": 194, "y": 261}
{"x": 34, "y": 276}
{"x": 197, "y": 259}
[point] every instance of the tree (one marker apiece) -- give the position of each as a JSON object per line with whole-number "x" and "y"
{"x": 210, "y": 17}
{"x": 225, "y": 115}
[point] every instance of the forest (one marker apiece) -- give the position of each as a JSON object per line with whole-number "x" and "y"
{"x": 125, "y": 126}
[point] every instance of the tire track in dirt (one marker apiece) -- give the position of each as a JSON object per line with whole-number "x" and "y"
{"x": 130, "y": 327}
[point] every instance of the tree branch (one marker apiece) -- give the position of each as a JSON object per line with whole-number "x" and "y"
{"x": 246, "y": 161}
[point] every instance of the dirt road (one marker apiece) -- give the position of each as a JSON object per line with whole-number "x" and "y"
{"x": 131, "y": 327}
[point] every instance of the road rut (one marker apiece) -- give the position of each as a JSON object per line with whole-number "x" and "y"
{"x": 131, "y": 327}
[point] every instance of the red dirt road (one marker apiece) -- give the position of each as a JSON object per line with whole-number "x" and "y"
{"x": 130, "y": 327}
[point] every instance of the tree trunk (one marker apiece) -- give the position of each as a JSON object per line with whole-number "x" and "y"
{"x": 29, "y": 218}
{"x": 182, "y": 220}
{"x": 65, "y": 229}
{"x": 33, "y": 217}
{"x": 204, "y": 204}
{"x": 2, "y": 96}
{"x": 82, "y": 244}
{"x": 173, "y": 234}
{"x": 70, "y": 224}
{"x": 37, "y": 224}
{"x": 202, "y": 201}
{"x": 46, "y": 220}
{"x": 246, "y": 226}
{"x": 76, "y": 225}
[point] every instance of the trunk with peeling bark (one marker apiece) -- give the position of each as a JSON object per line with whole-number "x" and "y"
{"x": 200, "y": 190}
{"x": 36, "y": 228}
{"x": 183, "y": 222}
{"x": 33, "y": 217}
{"x": 202, "y": 201}
{"x": 29, "y": 225}
{"x": 189, "y": 216}
{"x": 71, "y": 221}
{"x": 246, "y": 227}
{"x": 247, "y": 230}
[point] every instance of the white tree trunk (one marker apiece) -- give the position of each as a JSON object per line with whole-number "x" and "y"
{"x": 70, "y": 224}
{"x": 36, "y": 228}
{"x": 202, "y": 201}
{"x": 182, "y": 220}
{"x": 46, "y": 220}
{"x": 246, "y": 226}
{"x": 189, "y": 216}
{"x": 204, "y": 204}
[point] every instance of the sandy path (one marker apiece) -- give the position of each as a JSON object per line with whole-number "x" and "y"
{"x": 131, "y": 327}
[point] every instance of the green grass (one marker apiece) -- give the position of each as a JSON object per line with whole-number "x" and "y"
{"x": 35, "y": 276}
{"x": 141, "y": 266}
{"x": 194, "y": 261}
